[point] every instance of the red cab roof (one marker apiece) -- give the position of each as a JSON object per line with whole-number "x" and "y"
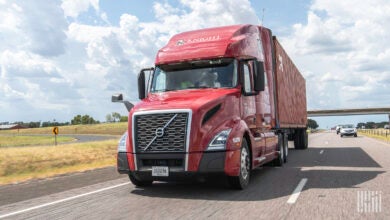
{"x": 229, "y": 41}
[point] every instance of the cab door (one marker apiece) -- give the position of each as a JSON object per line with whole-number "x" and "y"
{"x": 248, "y": 109}
{"x": 248, "y": 104}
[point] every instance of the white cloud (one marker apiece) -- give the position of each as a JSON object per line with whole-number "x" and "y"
{"x": 33, "y": 26}
{"x": 51, "y": 59}
{"x": 73, "y": 8}
{"x": 344, "y": 44}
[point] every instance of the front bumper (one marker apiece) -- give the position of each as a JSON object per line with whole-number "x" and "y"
{"x": 348, "y": 133}
{"x": 210, "y": 163}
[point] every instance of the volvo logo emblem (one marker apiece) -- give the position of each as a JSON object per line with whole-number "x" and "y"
{"x": 160, "y": 132}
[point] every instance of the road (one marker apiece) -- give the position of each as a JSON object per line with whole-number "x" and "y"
{"x": 90, "y": 137}
{"x": 335, "y": 175}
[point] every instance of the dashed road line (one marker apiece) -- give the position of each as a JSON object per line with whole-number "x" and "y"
{"x": 294, "y": 196}
{"x": 322, "y": 151}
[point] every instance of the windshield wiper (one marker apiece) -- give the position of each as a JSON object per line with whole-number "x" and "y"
{"x": 200, "y": 87}
{"x": 164, "y": 90}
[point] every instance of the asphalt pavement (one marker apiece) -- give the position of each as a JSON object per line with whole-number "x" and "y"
{"x": 336, "y": 178}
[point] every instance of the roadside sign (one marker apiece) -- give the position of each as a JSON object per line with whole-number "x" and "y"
{"x": 55, "y": 130}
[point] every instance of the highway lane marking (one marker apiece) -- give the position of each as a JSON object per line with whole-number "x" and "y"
{"x": 322, "y": 151}
{"x": 294, "y": 196}
{"x": 61, "y": 200}
{"x": 378, "y": 169}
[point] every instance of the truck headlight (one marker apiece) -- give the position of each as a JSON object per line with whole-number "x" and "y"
{"x": 219, "y": 141}
{"x": 122, "y": 143}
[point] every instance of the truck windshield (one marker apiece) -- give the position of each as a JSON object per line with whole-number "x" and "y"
{"x": 216, "y": 73}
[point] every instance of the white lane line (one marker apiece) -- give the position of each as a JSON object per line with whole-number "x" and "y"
{"x": 294, "y": 196}
{"x": 362, "y": 169}
{"x": 61, "y": 200}
{"x": 322, "y": 151}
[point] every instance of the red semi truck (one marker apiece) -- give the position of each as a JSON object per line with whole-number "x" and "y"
{"x": 220, "y": 100}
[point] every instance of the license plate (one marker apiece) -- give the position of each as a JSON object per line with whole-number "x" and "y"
{"x": 160, "y": 171}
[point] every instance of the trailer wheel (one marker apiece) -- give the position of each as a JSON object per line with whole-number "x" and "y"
{"x": 138, "y": 181}
{"x": 290, "y": 136}
{"x": 242, "y": 180}
{"x": 301, "y": 139}
{"x": 285, "y": 145}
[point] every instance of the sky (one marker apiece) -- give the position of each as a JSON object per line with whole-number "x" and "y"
{"x": 59, "y": 59}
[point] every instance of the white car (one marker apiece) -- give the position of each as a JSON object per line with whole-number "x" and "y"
{"x": 338, "y": 129}
{"x": 348, "y": 130}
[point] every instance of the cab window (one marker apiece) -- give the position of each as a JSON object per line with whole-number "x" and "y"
{"x": 248, "y": 81}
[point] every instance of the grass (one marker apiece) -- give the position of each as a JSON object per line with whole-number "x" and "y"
{"x": 379, "y": 134}
{"x": 23, "y": 163}
{"x": 24, "y": 140}
{"x": 103, "y": 129}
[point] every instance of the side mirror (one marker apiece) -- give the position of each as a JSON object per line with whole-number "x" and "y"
{"x": 259, "y": 76}
{"x": 142, "y": 83}
{"x": 119, "y": 98}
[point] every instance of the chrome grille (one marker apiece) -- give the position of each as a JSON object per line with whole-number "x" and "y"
{"x": 148, "y": 135}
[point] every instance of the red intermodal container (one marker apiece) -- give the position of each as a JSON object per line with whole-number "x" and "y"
{"x": 218, "y": 102}
{"x": 290, "y": 90}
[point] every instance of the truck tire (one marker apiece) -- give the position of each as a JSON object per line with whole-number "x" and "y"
{"x": 290, "y": 137}
{"x": 242, "y": 180}
{"x": 139, "y": 182}
{"x": 285, "y": 145}
{"x": 278, "y": 162}
{"x": 301, "y": 139}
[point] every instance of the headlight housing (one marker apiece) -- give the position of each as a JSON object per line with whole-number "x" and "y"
{"x": 122, "y": 143}
{"x": 219, "y": 141}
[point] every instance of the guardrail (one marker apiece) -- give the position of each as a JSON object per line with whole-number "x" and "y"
{"x": 383, "y": 134}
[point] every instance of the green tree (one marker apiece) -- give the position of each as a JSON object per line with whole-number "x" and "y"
{"x": 109, "y": 118}
{"x": 76, "y": 120}
{"x": 124, "y": 118}
{"x": 85, "y": 119}
{"x": 34, "y": 124}
{"x": 116, "y": 116}
{"x": 370, "y": 125}
{"x": 361, "y": 125}
{"x": 312, "y": 123}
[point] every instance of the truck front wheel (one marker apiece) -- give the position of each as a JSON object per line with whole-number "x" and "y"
{"x": 242, "y": 180}
{"x": 138, "y": 181}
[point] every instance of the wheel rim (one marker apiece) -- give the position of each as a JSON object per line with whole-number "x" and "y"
{"x": 244, "y": 163}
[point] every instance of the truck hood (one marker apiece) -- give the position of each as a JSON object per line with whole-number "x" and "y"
{"x": 184, "y": 99}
